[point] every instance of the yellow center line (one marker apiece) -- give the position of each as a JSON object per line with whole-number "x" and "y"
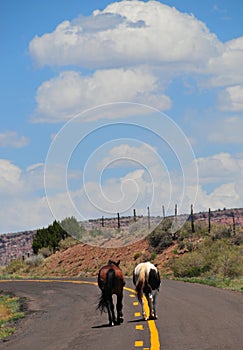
{"x": 154, "y": 335}
{"x": 138, "y": 343}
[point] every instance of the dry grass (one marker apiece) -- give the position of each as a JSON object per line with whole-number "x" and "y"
{"x": 9, "y": 312}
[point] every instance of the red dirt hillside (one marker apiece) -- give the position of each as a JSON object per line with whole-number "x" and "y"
{"x": 82, "y": 260}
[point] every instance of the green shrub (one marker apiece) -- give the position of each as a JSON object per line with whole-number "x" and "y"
{"x": 45, "y": 252}
{"x": 213, "y": 258}
{"x": 153, "y": 256}
{"x": 161, "y": 238}
{"x": 66, "y": 243}
{"x": 136, "y": 255}
{"x": 15, "y": 265}
{"x": 190, "y": 265}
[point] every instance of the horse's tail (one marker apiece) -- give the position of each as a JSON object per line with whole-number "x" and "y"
{"x": 106, "y": 293}
{"x": 140, "y": 284}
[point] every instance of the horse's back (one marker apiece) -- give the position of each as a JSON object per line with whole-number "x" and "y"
{"x": 150, "y": 271}
{"x": 144, "y": 266}
{"x": 118, "y": 281}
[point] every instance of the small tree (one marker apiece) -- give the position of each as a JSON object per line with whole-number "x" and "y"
{"x": 72, "y": 227}
{"x": 48, "y": 237}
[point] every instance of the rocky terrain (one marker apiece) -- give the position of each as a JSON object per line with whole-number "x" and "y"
{"x": 15, "y": 245}
{"x": 19, "y": 245}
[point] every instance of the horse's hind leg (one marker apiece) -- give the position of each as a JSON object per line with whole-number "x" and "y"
{"x": 119, "y": 308}
{"x": 154, "y": 304}
{"x": 149, "y": 298}
{"x": 111, "y": 312}
{"x": 143, "y": 310}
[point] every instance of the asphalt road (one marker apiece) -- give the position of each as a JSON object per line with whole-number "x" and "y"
{"x": 63, "y": 316}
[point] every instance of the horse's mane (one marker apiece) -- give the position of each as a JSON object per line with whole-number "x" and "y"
{"x": 111, "y": 262}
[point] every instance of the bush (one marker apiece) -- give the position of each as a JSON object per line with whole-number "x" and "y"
{"x": 15, "y": 265}
{"x": 159, "y": 240}
{"x": 153, "y": 256}
{"x": 162, "y": 237}
{"x": 66, "y": 243}
{"x": 34, "y": 260}
{"x": 190, "y": 265}
{"x": 213, "y": 258}
{"x": 45, "y": 252}
{"x": 136, "y": 255}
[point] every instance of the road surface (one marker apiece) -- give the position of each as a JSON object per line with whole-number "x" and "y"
{"x": 62, "y": 316}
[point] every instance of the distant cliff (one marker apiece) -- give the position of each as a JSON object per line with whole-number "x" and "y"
{"x": 15, "y": 245}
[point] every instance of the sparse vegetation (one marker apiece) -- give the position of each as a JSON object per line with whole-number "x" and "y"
{"x": 9, "y": 312}
{"x": 162, "y": 237}
{"x": 137, "y": 255}
{"x": 217, "y": 257}
{"x": 15, "y": 266}
{"x": 34, "y": 260}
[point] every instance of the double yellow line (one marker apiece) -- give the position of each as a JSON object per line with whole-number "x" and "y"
{"x": 154, "y": 335}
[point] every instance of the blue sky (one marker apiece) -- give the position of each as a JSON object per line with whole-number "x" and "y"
{"x": 109, "y": 106}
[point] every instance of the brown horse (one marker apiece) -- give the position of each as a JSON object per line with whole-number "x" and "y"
{"x": 111, "y": 281}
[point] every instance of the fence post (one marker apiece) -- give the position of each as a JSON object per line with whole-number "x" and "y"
{"x": 209, "y": 220}
{"x": 148, "y": 218}
{"x": 134, "y": 215}
{"x": 192, "y": 219}
{"x": 163, "y": 211}
{"x": 118, "y": 220}
{"x": 233, "y": 218}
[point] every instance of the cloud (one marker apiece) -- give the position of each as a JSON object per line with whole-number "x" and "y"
{"x": 144, "y": 46}
{"x": 64, "y": 96}
{"x": 10, "y": 177}
{"x": 141, "y": 45}
{"x": 12, "y": 139}
{"x": 25, "y": 214}
{"x": 227, "y": 130}
{"x": 226, "y": 68}
{"x": 123, "y": 192}
{"x": 219, "y": 168}
{"x": 129, "y": 156}
{"x": 127, "y": 33}
{"x": 231, "y": 99}
{"x": 23, "y": 195}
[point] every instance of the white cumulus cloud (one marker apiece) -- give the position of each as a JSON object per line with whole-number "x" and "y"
{"x": 231, "y": 99}
{"x": 126, "y": 33}
{"x": 66, "y": 95}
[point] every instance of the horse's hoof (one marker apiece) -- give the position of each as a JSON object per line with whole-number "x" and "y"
{"x": 119, "y": 321}
{"x": 153, "y": 317}
{"x": 111, "y": 324}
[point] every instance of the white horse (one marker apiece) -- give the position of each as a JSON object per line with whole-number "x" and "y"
{"x": 146, "y": 279}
